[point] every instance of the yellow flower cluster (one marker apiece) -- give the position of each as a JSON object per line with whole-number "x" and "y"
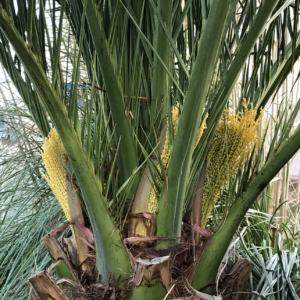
{"x": 223, "y": 160}
{"x": 53, "y": 153}
{"x": 165, "y": 156}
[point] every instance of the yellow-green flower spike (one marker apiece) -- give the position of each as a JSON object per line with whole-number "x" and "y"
{"x": 165, "y": 156}
{"x": 223, "y": 161}
{"x": 53, "y": 155}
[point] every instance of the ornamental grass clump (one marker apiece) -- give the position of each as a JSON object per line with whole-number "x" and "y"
{"x": 165, "y": 157}
{"x": 236, "y": 137}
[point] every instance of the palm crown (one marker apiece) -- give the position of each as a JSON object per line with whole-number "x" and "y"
{"x": 150, "y": 101}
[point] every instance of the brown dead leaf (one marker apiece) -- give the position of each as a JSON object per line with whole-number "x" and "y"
{"x": 55, "y": 232}
{"x": 87, "y": 243}
{"x": 57, "y": 253}
{"x": 45, "y": 288}
{"x": 85, "y": 231}
{"x": 148, "y": 270}
{"x": 52, "y": 266}
{"x": 149, "y": 216}
{"x": 206, "y": 234}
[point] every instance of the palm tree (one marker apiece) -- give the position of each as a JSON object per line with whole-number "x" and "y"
{"x": 138, "y": 92}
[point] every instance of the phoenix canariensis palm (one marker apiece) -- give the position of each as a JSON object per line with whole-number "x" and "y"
{"x": 111, "y": 95}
